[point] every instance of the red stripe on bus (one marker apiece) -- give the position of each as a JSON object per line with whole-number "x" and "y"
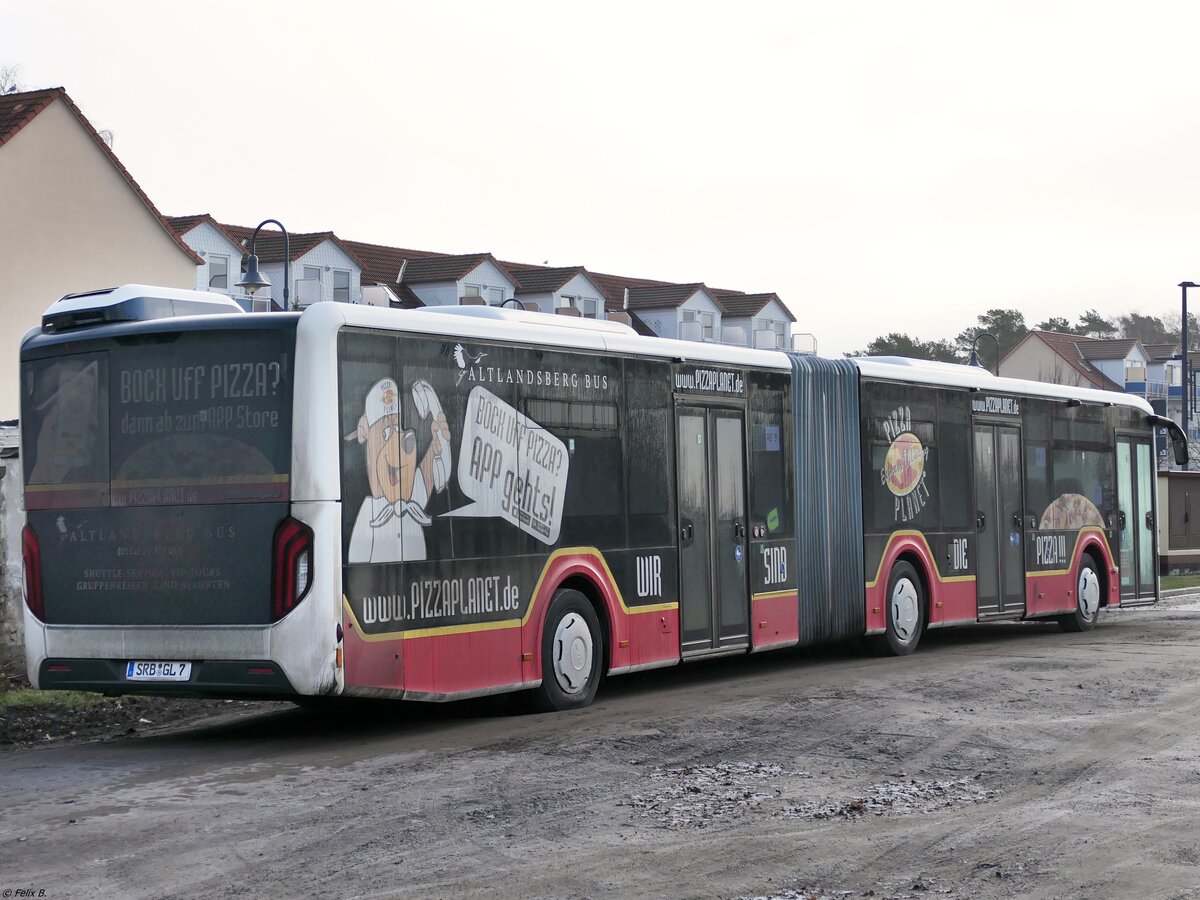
{"x": 651, "y": 636}
{"x": 446, "y": 663}
{"x": 371, "y": 664}
{"x": 1049, "y": 594}
{"x": 775, "y": 621}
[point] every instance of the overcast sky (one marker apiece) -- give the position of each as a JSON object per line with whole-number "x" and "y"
{"x": 882, "y": 166}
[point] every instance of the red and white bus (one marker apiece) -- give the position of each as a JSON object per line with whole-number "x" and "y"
{"x": 445, "y": 503}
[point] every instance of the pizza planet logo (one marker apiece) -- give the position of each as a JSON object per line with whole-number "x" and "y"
{"x": 903, "y": 471}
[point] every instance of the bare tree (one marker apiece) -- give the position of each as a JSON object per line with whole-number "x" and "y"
{"x": 10, "y": 81}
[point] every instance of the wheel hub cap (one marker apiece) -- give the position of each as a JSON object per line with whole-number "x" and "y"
{"x": 905, "y": 613}
{"x": 1089, "y": 594}
{"x": 572, "y": 653}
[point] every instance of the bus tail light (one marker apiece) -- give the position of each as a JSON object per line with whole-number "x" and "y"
{"x": 31, "y": 555}
{"x": 291, "y": 572}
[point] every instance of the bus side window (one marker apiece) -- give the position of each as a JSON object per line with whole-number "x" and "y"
{"x": 1082, "y": 456}
{"x": 953, "y": 453}
{"x": 582, "y": 410}
{"x": 893, "y": 414}
{"x": 649, "y": 453}
{"x": 770, "y": 448}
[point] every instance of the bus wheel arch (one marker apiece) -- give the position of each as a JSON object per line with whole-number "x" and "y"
{"x": 908, "y": 583}
{"x": 1103, "y": 568}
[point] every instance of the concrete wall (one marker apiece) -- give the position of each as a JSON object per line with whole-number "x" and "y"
{"x": 69, "y": 221}
{"x": 12, "y": 520}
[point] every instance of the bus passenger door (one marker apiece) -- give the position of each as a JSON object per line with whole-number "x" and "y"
{"x": 714, "y": 590}
{"x": 999, "y": 521}
{"x": 1135, "y": 519}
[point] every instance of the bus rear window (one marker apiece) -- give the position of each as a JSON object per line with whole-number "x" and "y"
{"x": 65, "y": 420}
{"x": 188, "y": 417}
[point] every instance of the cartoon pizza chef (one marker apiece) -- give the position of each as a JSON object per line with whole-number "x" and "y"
{"x": 391, "y": 521}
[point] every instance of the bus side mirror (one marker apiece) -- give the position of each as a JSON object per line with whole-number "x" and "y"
{"x": 1179, "y": 443}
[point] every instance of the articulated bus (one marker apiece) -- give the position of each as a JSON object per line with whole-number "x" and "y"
{"x": 445, "y": 503}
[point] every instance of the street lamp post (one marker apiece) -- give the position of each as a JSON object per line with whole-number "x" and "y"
{"x": 974, "y": 360}
{"x": 253, "y": 279}
{"x": 1184, "y": 385}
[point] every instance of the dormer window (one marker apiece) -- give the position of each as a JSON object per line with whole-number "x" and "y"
{"x": 707, "y": 320}
{"x": 341, "y": 286}
{"x": 589, "y": 307}
{"x": 779, "y": 328}
{"x": 218, "y": 272}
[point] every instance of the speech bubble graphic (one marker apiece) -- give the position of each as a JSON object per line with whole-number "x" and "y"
{"x": 511, "y": 467}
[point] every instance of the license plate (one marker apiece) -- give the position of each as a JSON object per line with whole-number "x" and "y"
{"x": 158, "y": 671}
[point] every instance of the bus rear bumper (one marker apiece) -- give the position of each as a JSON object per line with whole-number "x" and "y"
{"x": 208, "y": 678}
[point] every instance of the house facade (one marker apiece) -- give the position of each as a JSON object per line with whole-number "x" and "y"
{"x": 221, "y": 254}
{"x": 762, "y": 318}
{"x": 320, "y": 266}
{"x": 550, "y": 289}
{"x": 452, "y": 280}
{"x": 71, "y": 219}
{"x": 1055, "y": 358}
{"x": 1152, "y": 371}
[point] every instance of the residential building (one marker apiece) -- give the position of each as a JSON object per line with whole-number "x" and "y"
{"x": 383, "y": 268}
{"x": 549, "y": 289}
{"x": 1150, "y": 371}
{"x": 221, "y": 253}
{"x": 406, "y": 278}
{"x": 451, "y": 280}
{"x": 762, "y": 318}
{"x": 321, "y": 267}
{"x": 1056, "y": 358}
{"x": 72, "y": 218}
{"x": 679, "y": 311}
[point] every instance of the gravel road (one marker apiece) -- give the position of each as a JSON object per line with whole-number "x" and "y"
{"x": 999, "y": 761}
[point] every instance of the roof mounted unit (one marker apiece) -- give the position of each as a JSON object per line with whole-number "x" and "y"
{"x": 132, "y": 303}
{"x": 530, "y": 318}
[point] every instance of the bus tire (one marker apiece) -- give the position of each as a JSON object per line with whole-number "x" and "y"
{"x": 905, "y": 609}
{"x": 1087, "y": 597}
{"x": 572, "y": 654}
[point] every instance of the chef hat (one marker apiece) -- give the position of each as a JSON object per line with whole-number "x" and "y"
{"x": 382, "y": 400}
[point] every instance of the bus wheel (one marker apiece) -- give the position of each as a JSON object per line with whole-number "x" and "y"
{"x": 905, "y": 609}
{"x": 1087, "y": 598}
{"x": 572, "y": 654}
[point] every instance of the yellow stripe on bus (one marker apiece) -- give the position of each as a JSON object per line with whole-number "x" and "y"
{"x": 943, "y": 579}
{"x": 950, "y": 579}
{"x": 509, "y": 623}
{"x": 773, "y": 595}
{"x": 198, "y": 482}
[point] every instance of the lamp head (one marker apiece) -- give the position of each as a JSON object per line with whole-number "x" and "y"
{"x": 253, "y": 279}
